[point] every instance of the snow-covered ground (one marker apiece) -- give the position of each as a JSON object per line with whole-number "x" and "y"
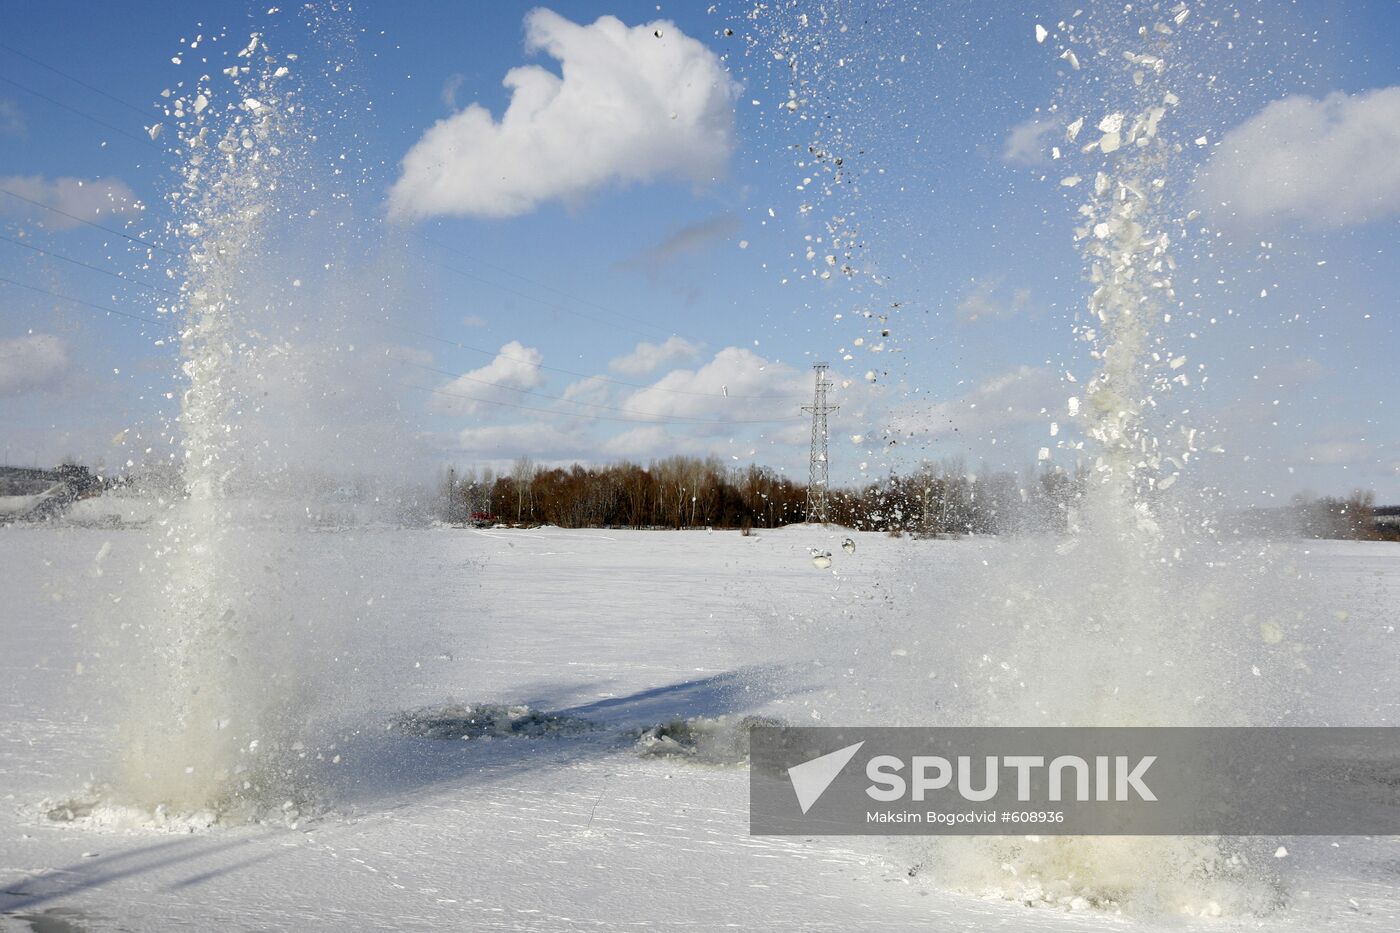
{"x": 574, "y": 829}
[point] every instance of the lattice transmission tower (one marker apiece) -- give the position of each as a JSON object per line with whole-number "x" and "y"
{"x": 817, "y": 474}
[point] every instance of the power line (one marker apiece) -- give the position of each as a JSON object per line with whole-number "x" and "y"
{"x": 144, "y": 140}
{"x": 78, "y": 81}
{"x": 88, "y": 304}
{"x": 98, "y": 269}
{"x": 83, "y": 220}
{"x": 543, "y": 285}
{"x": 552, "y": 305}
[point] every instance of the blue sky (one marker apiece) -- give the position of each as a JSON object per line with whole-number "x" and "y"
{"x": 960, "y": 237}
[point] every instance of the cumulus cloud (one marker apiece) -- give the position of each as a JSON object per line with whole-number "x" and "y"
{"x": 629, "y": 105}
{"x": 1320, "y": 163}
{"x": 32, "y": 363}
{"x": 649, "y": 357}
{"x": 514, "y": 371}
{"x": 1028, "y": 141}
{"x": 735, "y": 384}
{"x": 987, "y": 300}
{"x": 90, "y": 200}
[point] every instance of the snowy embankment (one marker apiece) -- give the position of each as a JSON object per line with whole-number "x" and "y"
{"x": 504, "y": 692}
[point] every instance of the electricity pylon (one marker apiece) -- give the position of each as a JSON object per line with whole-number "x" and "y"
{"x": 817, "y": 474}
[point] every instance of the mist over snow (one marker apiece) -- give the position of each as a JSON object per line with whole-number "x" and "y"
{"x": 628, "y": 105}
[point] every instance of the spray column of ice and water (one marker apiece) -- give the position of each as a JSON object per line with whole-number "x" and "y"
{"x": 199, "y": 735}
{"x": 1130, "y": 267}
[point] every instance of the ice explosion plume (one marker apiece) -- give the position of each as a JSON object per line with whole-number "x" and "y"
{"x": 211, "y": 726}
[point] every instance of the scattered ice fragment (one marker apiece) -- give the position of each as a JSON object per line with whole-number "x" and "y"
{"x": 1040, "y": 33}
{"x": 1073, "y": 59}
{"x": 1073, "y": 407}
{"x": 821, "y": 560}
{"x": 1070, "y": 181}
{"x": 1280, "y": 852}
{"x": 1043, "y": 454}
{"x": 1073, "y": 129}
{"x": 1112, "y": 123}
{"x": 154, "y": 130}
{"x": 849, "y": 546}
{"x": 1166, "y": 482}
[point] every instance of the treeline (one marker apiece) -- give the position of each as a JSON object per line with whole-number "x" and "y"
{"x": 691, "y": 492}
{"x": 1354, "y": 517}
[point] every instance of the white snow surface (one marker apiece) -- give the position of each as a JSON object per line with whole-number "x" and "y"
{"x": 577, "y": 830}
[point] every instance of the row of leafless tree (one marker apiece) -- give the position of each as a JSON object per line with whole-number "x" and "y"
{"x": 689, "y": 492}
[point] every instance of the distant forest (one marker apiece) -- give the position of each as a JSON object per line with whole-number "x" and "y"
{"x": 937, "y": 499}
{"x": 690, "y": 492}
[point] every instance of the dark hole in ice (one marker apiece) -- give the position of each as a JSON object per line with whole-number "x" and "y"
{"x": 487, "y": 720}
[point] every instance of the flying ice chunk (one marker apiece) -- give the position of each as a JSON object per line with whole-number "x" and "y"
{"x": 1073, "y": 59}
{"x": 821, "y": 560}
{"x": 1073, "y": 407}
{"x": 849, "y": 546}
{"x": 1043, "y": 454}
{"x": 1110, "y": 142}
{"x": 1040, "y": 33}
{"x": 1071, "y": 181}
{"x": 1166, "y": 482}
{"x": 200, "y": 103}
{"x": 1073, "y": 129}
{"x": 1111, "y": 123}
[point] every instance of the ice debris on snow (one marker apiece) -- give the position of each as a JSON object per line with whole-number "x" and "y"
{"x": 713, "y": 740}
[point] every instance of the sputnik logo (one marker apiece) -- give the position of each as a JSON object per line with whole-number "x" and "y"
{"x": 811, "y": 778}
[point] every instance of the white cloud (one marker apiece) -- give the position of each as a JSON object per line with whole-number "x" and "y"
{"x": 1008, "y": 401}
{"x": 32, "y": 362}
{"x": 1323, "y": 163}
{"x": 1027, "y": 143}
{"x": 735, "y": 384}
{"x": 450, "y": 87}
{"x": 515, "y": 367}
{"x": 90, "y": 200}
{"x": 648, "y": 357}
{"x": 632, "y": 105}
{"x": 1334, "y": 453}
{"x": 539, "y": 440}
{"x": 12, "y": 122}
{"x": 987, "y": 300}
